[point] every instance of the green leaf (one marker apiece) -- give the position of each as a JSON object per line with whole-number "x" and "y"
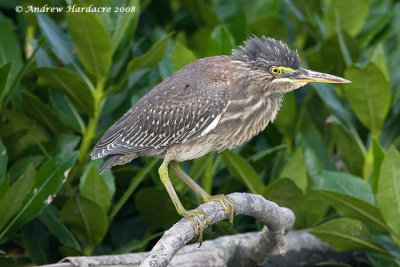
{"x": 271, "y": 26}
{"x": 221, "y": 42}
{"x": 197, "y": 41}
{"x": 134, "y": 183}
{"x": 123, "y": 51}
{"x": 241, "y": 170}
{"x": 391, "y": 128}
{"x": 9, "y": 46}
{"x": 13, "y": 200}
{"x": 4, "y": 71}
{"x": 86, "y": 220}
{"x": 348, "y": 150}
{"x": 200, "y": 165}
{"x": 123, "y": 21}
{"x": 296, "y": 170}
{"x": 379, "y": 17}
{"x": 8, "y": 261}
{"x": 349, "y": 185}
{"x": 4, "y": 185}
{"x": 181, "y": 56}
{"x": 346, "y": 234}
{"x": 388, "y": 194}
{"x": 3, "y": 161}
{"x": 279, "y": 160}
{"x": 379, "y": 58}
{"x": 49, "y": 179}
{"x": 368, "y": 95}
{"x": 346, "y": 55}
{"x": 152, "y": 57}
{"x": 353, "y": 207}
{"x": 327, "y": 93}
{"x": 67, "y": 251}
{"x": 225, "y": 10}
{"x": 50, "y": 217}
{"x": 39, "y": 110}
{"x": 352, "y": 19}
{"x": 285, "y": 193}
{"x": 378, "y": 155}
{"x": 313, "y": 210}
{"x": 19, "y": 167}
{"x": 348, "y": 141}
{"x": 239, "y": 26}
{"x": 94, "y": 188}
{"x": 92, "y": 41}
{"x": 388, "y": 243}
{"x": 62, "y": 143}
{"x": 208, "y": 173}
{"x": 202, "y": 12}
{"x": 155, "y": 207}
{"x": 107, "y": 177}
{"x": 60, "y": 43}
{"x": 285, "y": 120}
{"x": 330, "y": 50}
{"x": 311, "y": 139}
{"x": 66, "y": 111}
{"x": 19, "y": 132}
{"x": 136, "y": 244}
{"x": 368, "y": 165}
{"x": 36, "y": 241}
{"x": 70, "y": 83}
{"x": 263, "y": 154}
{"x": 314, "y": 167}
{"x": 378, "y": 260}
{"x": 149, "y": 59}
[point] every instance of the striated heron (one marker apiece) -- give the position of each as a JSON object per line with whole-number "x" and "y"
{"x": 214, "y": 103}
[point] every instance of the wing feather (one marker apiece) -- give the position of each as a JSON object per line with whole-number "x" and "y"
{"x": 160, "y": 119}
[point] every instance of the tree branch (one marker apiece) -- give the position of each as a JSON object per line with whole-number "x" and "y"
{"x": 302, "y": 249}
{"x": 251, "y": 247}
{"x": 278, "y": 221}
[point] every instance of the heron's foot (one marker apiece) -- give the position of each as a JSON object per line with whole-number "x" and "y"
{"x": 223, "y": 200}
{"x": 193, "y": 215}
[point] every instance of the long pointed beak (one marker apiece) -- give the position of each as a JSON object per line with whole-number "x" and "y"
{"x": 308, "y": 76}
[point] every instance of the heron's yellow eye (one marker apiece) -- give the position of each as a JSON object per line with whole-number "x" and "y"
{"x": 275, "y": 70}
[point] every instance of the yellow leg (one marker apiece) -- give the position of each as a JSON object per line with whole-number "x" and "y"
{"x": 163, "y": 172}
{"x": 203, "y": 194}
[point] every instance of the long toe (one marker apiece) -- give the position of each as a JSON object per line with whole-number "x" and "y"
{"x": 223, "y": 200}
{"x": 192, "y": 216}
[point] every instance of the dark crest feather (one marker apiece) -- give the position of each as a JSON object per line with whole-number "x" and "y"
{"x": 269, "y": 50}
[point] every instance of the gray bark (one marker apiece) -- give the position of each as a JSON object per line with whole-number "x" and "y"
{"x": 243, "y": 249}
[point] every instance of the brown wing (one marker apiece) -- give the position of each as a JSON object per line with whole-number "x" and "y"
{"x": 166, "y": 116}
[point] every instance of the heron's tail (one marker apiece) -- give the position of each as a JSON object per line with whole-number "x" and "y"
{"x": 108, "y": 163}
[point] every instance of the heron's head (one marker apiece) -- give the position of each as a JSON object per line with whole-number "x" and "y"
{"x": 275, "y": 67}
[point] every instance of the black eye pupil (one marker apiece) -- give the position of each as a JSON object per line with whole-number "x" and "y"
{"x": 274, "y": 70}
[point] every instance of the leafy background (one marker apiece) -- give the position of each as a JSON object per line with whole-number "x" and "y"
{"x": 331, "y": 155}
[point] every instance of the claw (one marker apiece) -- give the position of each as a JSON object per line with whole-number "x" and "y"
{"x": 194, "y": 214}
{"x": 222, "y": 199}
{"x": 188, "y": 216}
